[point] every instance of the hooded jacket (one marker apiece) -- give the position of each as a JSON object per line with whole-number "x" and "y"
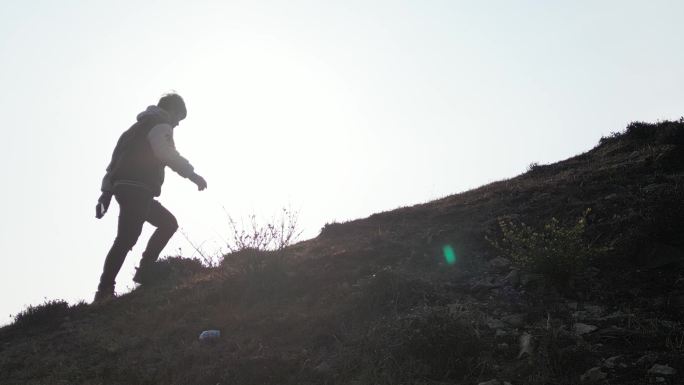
{"x": 143, "y": 151}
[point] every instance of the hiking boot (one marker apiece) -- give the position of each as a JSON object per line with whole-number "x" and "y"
{"x": 144, "y": 275}
{"x": 104, "y": 295}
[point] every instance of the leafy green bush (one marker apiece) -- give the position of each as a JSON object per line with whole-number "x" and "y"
{"x": 555, "y": 250}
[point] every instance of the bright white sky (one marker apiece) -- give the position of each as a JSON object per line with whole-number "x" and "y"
{"x": 338, "y": 108}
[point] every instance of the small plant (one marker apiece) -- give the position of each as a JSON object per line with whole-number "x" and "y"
{"x": 274, "y": 235}
{"x": 556, "y": 251}
{"x": 534, "y": 166}
{"x": 49, "y": 312}
{"x": 257, "y": 247}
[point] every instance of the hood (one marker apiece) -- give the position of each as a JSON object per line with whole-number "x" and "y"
{"x": 157, "y": 113}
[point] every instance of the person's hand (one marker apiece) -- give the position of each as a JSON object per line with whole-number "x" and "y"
{"x": 199, "y": 181}
{"x": 102, "y": 204}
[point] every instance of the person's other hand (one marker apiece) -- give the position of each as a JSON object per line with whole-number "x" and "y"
{"x": 199, "y": 181}
{"x": 103, "y": 204}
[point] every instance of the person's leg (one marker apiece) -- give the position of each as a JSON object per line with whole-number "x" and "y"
{"x": 134, "y": 205}
{"x": 166, "y": 225}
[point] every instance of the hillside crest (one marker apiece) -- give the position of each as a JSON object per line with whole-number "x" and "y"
{"x": 377, "y": 301}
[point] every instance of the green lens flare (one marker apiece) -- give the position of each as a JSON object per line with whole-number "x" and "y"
{"x": 449, "y": 255}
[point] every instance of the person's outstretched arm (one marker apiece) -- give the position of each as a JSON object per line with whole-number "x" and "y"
{"x": 164, "y": 148}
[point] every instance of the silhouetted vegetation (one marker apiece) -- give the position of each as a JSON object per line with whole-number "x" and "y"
{"x": 373, "y": 301}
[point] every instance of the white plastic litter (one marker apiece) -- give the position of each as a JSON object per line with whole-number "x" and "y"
{"x": 209, "y": 335}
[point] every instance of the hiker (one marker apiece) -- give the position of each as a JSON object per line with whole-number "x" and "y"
{"x": 134, "y": 177}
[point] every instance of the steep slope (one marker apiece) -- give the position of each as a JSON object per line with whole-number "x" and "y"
{"x": 374, "y": 301}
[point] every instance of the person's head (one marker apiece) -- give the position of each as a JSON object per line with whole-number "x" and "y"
{"x": 173, "y": 104}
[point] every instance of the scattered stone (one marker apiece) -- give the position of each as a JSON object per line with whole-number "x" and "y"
{"x": 490, "y": 382}
{"x": 616, "y": 315}
{"x": 615, "y": 332}
{"x": 515, "y": 320}
{"x": 527, "y": 279}
{"x": 610, "y": 362}
{"x": 494, "y": 323}
{"x": 581, "y": 328}
{"x": 593, "y": 375}
{"x": 525, "y": 345}
{"x": 500, "y": 333}
{"x": 647, "y": 358}
{"x": 513, "y": 278}
{"x": 589, "y": 312}
{"x": 499, "y": 263}
{"x": 594, "y": 310}
{"x": 662, "y": 370}
{"x": 323, "y": 367}
{"x": 502, "y": 346}
{"x": 485, "y": 283}
{"x": 660, "y": 379}
{"x": 455, "y": 308}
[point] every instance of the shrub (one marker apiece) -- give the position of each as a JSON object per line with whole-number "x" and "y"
{"x": 252, "y": 241}
{"x": 662, "y": 132}
{"x": 556, "y": 251}
{"x": 256, "y": 249}
{"x": 47, "y": 313}
{"x": 276, "y": 234}
{"x": 533, "y": 166}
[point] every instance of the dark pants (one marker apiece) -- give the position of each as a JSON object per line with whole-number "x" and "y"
{"x": 136, "y": 206}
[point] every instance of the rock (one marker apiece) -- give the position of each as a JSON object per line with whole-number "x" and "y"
{"x": 485, "y": 283}
{"x": 500, "y": 333}
{"x": 494, "y": 323}
{"x": 614, "y": 332}
{"x": 581, "y": 328}
{"x": 499, "y": 263}
{"x": 527, "y": 279}
{"x": 589, "y": 312}
{"x": 611, "y": 362}
{"x": 647, "y": 358}
{"x": 515, "y": 320}
{"x": 526, "y": 347}
{"x": 662, "y": 370}
{"x": 657, "y": 302}
{"x": 455, "y": 308}
{"x": 513, "y": 278}
{"x": 323, "y": 367}
{"x": 593, "y": 375}
{"x": 490, "y": 382}
{"x": 614, "y": 316}
{"x": 594, "y": 310}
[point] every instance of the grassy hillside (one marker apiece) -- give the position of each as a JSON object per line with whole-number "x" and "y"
{"x": 377, "y": 300}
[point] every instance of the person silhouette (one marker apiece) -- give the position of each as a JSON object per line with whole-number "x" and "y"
{"x": 134, "y": 177}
